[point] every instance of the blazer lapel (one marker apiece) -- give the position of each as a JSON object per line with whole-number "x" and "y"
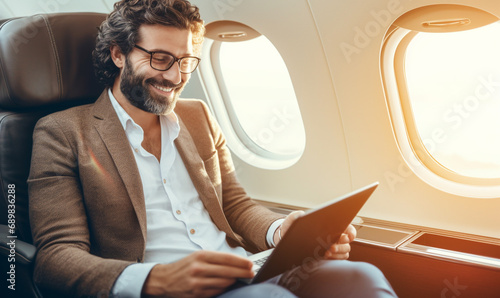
{"x": 112, "y": 134}
{"x": 196, "y": 169}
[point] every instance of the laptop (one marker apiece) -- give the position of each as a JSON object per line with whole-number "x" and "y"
{"x": 310, "y": 235}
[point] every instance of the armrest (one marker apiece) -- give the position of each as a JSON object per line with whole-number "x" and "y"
{"x": 17, "y": 259}
{"x": 24, "y": 252}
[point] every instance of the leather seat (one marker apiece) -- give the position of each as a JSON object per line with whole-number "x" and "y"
{"x": 45, "y": 66}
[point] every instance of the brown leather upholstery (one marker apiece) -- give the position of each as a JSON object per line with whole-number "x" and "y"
{"x": 45, "y": 66}
{"x": 46, "y": 59}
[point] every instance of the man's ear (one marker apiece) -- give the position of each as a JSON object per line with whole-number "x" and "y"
{"x": 117, "y": 56}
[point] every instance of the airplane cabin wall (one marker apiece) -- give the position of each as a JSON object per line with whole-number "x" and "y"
{"x": 402, "y": 197}
{"x": 323, "y": 170}
{"x": 349, "y": 138}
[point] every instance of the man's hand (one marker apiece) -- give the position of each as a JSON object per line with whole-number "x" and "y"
{"x": 338, "y": 251}
{"x": 201, "y": 274}
{"x": 341, "y": 249}
{"x": 286, "y": 224}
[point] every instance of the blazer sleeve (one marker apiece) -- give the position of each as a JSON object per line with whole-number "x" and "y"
{"x": 59, "y": 222}
{"x": 246, "y": 217}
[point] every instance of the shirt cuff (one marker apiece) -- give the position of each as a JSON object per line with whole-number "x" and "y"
{"x": 270, "y": 233}
{"x": 130, "y": 282}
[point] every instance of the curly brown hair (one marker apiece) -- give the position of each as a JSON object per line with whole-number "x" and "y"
{"x": 121, "y": 28}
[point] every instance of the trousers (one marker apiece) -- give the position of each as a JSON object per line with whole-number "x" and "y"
{"x": 325, "y": 278}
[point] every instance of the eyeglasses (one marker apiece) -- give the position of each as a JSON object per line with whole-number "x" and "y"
{"x": 163, "y": 61}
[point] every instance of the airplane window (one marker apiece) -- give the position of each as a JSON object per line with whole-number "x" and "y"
{"x": 441, "y": 73}
{"x": 254, "y": 100}
{"x": 262, "y": 95}
{"x": 453, "y": 83}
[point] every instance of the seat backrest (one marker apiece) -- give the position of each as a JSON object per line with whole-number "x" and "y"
{"x": 45, "y": 66}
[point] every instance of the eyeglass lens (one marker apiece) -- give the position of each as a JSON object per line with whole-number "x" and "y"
{"x": 163, "y": 61}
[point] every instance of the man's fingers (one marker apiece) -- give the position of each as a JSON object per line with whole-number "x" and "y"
{"x": 330, "y": 256}
{"x": 290, "y": 218}
{"x": 227, "y": 259}
{"x": 338, "y": 252}
{"x": 220, "y": 265}
{"x": 344, "y": 238}
{"x": 215, "y": 283}
{"x": 201, "y": 274}
{"x": 351, "y": 232}
{"x": 222, "y": 271}
{"x": 340, "y": 248}
{"x": 296, "y": 214}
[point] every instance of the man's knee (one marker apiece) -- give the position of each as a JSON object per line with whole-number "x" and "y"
{"x": 272, "y": 291}
{"x": 353, "y": 272}
{"x": 367, "y": 279}
{"x": 366, "y": 270}
{"x": 259, "y": 291}
{"x": 341, "y": 279}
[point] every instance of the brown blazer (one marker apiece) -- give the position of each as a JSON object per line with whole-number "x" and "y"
{"x": 87, "y": 207}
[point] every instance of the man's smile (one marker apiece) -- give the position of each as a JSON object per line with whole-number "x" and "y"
{"x": 162, "y": 88}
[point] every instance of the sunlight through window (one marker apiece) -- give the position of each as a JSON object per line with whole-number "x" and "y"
{"x": 453, "y": 82}
{"x": 262, "y": 96}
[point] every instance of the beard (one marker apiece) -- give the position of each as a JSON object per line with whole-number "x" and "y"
{"x": 136, "y": 89}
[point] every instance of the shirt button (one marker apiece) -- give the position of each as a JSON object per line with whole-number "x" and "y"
{"x": 164, "y": 181}
{"x": 178, "y": 212}
{"x": 136, "y": 150}
{"x": 192, "y": 231}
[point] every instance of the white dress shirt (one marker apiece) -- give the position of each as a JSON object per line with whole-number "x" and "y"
{"x": 177, "y": 222}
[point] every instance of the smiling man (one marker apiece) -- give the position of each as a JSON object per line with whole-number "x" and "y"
{"x": 136, "y": 195}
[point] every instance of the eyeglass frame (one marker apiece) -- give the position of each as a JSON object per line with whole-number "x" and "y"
{"x": 178, "y": 60}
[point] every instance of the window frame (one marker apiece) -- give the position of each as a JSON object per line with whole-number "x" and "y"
{"x": 408, "y": 139}
{"x": 221, "y": 104}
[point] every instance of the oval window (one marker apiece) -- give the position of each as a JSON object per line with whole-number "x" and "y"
{"x": 261, "y": 94}
{"x": 441, "y": 72}
{"x": 453, "y": 82}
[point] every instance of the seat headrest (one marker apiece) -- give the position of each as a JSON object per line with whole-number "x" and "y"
{"x": 47, "y": 59}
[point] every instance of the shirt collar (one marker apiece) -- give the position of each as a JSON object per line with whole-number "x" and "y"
{"x": 169, "y": 122}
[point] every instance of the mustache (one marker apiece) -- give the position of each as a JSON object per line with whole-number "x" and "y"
{"x": 164, "y": 83}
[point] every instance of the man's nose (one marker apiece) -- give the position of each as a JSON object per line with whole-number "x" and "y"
{"x": 173, "y": 74}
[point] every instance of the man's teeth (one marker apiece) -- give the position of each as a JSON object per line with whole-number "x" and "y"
{"x": 162, "y": 89}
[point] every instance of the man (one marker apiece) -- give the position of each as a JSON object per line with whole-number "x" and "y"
{"x": 135, "y": 195}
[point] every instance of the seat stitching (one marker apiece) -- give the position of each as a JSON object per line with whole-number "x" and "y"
{"x": 56, "y": 55}
{"x": 2, "y": 70}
